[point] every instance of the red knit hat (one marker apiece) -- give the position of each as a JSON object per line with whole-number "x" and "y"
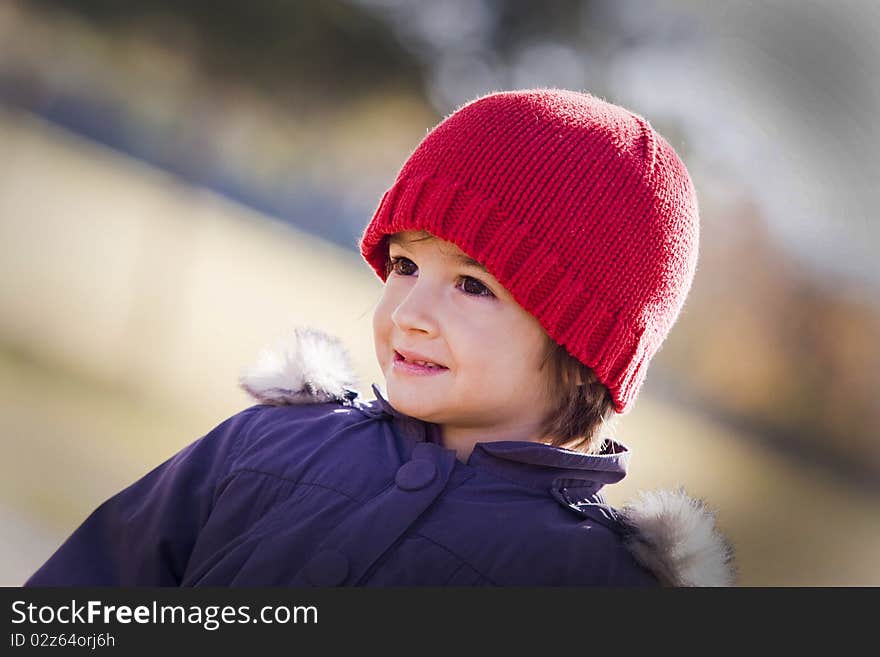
{"x": 577, "y": 206}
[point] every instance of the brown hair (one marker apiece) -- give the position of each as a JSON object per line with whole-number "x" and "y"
{"x": 584, "y": 411}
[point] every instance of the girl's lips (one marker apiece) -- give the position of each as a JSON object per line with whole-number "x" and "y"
{"x": 405, "y": 367}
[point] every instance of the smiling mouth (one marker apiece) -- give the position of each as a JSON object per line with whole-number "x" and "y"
{"x": 424, "y": 365}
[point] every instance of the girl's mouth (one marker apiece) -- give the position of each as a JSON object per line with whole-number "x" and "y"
{"x": 409, "y": 367}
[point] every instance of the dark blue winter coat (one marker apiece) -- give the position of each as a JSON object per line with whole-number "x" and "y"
{"x": 317, "y": 488}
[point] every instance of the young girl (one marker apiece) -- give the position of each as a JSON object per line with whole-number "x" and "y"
{"x": 536, "y": 248}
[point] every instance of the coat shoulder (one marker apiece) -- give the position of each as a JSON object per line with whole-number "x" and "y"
{"x": 665, "y": 536}
{"x": 598, "y": 555}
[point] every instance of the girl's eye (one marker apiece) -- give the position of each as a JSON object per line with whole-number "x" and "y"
{"x": 470, "y": 286}
{"x": 474, "y": 284}
{"x": 405, "y": 263}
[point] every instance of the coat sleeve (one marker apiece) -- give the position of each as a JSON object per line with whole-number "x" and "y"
{"x": 143, "y": 535}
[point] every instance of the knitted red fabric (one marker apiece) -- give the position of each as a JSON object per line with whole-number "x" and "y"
{"x": 577, "y": 206}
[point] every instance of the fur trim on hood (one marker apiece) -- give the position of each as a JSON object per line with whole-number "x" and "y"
{"x": 669, "y": 533}
{"x": 675, "y": 537}
{"x": 313, "y": 369}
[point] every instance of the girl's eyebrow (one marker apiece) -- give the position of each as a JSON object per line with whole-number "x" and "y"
{"x": 470, "y": 262}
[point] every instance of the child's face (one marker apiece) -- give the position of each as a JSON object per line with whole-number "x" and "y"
{"x": 459, "y": 316}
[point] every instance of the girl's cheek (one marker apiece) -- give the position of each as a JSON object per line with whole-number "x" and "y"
{"x": 388, "y": 303}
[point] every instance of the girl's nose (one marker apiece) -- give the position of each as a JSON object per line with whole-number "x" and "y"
{"x": 417, "y": 310}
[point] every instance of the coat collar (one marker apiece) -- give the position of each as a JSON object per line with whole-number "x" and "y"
{"x": 552, "y": 469}
{"x": 668, "y": 532}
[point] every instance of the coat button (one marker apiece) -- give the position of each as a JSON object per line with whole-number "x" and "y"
{"x": 416, "y": 474}
{"x": 327, "y": 568}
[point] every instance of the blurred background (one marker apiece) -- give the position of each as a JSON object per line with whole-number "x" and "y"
{"x": 182, "y": 183}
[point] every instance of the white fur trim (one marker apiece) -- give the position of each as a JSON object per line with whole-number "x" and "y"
{"x": 312, "y": 368}
{"x": 675, "y": 537}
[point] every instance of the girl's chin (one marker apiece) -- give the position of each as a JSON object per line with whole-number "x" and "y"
{"x": 412, "y": 403}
